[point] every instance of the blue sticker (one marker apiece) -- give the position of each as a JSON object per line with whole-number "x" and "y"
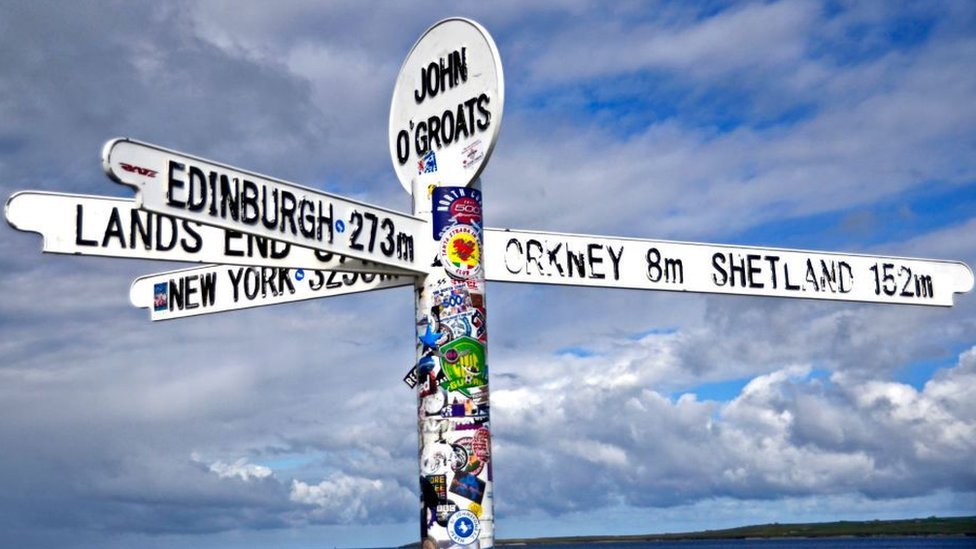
{"x": 455, "y": 206}
{"x": 340, "y": 226}
{"x": 300, "y": 274}
{"x": 430, "y": 338}
{"x": 463, "y": 527}
{"x": 161, "y": 296}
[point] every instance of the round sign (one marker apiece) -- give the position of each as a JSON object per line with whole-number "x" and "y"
{"x": 447, "y": 105}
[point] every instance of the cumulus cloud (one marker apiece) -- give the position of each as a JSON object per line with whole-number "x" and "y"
{"x": 780, "y": 121}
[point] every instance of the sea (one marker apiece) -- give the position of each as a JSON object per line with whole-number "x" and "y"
{"x": 793, "y": 543}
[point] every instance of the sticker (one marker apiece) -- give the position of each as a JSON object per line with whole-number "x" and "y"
{"x": 466, "y": 461}
{"x": 438, "y": 484}
{"x": 427, "y": 164}
{"x": 460, "y": 252}
{"x": 455, "y": 206}
{"x": 436, "y": 458}
{"x": 444, "y": 510}
{"x": 476, "y": 509}
{"x": 412, "y": 378}
{"x": 471, "y": 154}
{"x": 160, "y": 297}
{"x": 460, "y": 456}
{"x": 468, "y": 486}
{"x": 463, "y": 527}
{"x": 430, "y": 338}
{"x": 481, "y": 445}
{"x": 463, "y": 365}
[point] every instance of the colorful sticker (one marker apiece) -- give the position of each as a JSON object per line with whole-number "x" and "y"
{"x": 481, "y": 445}
{"x": 463, "y": 365}
{"x": 463, "y": 527}
{"x": 455, "y": 206}
{"x": 468, "y": 486}
{"x": 160, "y": 297}
{"x": 427, "y": 164}
{"x": 460, "y": 252}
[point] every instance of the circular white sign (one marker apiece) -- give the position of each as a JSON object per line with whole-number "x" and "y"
{"x": 447, "y": 105}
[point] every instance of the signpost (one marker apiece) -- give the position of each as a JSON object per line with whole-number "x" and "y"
{"x": 585, "y": 260}
{"x": 277, "y": 242}
{"x": 114, "y": 227}
{"x": 213, "y": 289}
{"x": 188, "y": 187}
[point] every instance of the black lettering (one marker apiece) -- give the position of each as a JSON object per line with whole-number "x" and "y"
{"x": 577, "y": 260}
{"x": 469, "y": 107}
{"x": 553, "y": 260}
{"x": 173, "y": 183}
{"x": 190, "y": 290}
{"x": 230, "y": 197}
{"x": 434, "y": 125}
{"x": 403, "y": 146}
{"x": 812, "y": 276}
{"x": 288, "y": 211}
{"x": 176, "y": 295}
{"x": 265, "y": 210}
{"x": 197, "y": 245}
{"x": 615, "y": 259}
{"x": 752, "y": 271}
{"x": 772, "y": 260}
{"x": 236, "y": 282}
{"x": 249, "y": 203}
{"x": 79, "y": 224}
{"x": 230, "y": 235}
{"x": 195, "y": 181}
{"x": 143, "y": 229}
{"x": 114, "y": 229}
{"x": 737, "y": 268}
{"x": 845, "y": 277}
{"x": 593, "y": 260}
{"x": 786, "y": 278}
{"x": 326, "y": 221}
{"x": 420, "y": 140}
{"x": 165, "y": 244}
{"x": 268, "y": 281}
{"x": 306, "y": 219}
{"x": 718, "y": 260}
{"x": 279, "y": 249}
{"x": 517, "y": 264}
{"x": 485, "y": 119}
{"x": 534, "y": 257}
{"x": 460, "y": 123}
{"x": 284, "y": 279}
{"x": 447, "y": 124}
{"x": 252, "y": 283}
{"x": 208, "y": 289}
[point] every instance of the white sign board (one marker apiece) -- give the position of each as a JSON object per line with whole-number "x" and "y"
{"x": 204, "y": 290}
{"x": 581, "y": 260}
{"x": 447, "y": 105}
{"x": 187, "y": 187}
{"x": 114, "y": 227}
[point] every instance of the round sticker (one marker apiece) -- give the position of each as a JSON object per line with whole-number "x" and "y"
{"x": 463, "y": 527}
{"x": 461, "y": 252}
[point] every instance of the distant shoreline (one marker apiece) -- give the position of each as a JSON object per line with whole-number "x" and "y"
{"x": 923, "y": 527}
{"x": 954, "y": 527}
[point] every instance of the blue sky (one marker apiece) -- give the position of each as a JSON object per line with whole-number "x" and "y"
{"x": 843, "y": 126}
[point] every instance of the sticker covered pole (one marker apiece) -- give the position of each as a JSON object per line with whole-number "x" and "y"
{"x": 452, "y": 375}
{"x": 444, "y": 119}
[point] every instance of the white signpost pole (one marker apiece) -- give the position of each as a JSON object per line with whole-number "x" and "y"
{"x": 444, "y": 121}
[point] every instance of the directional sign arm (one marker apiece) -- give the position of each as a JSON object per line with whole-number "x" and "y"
{"x": 584, "y": 260}
{"x": 220, "y": 288}
{"x": 187, "y": 187}
{"x": 113, "y": 227}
